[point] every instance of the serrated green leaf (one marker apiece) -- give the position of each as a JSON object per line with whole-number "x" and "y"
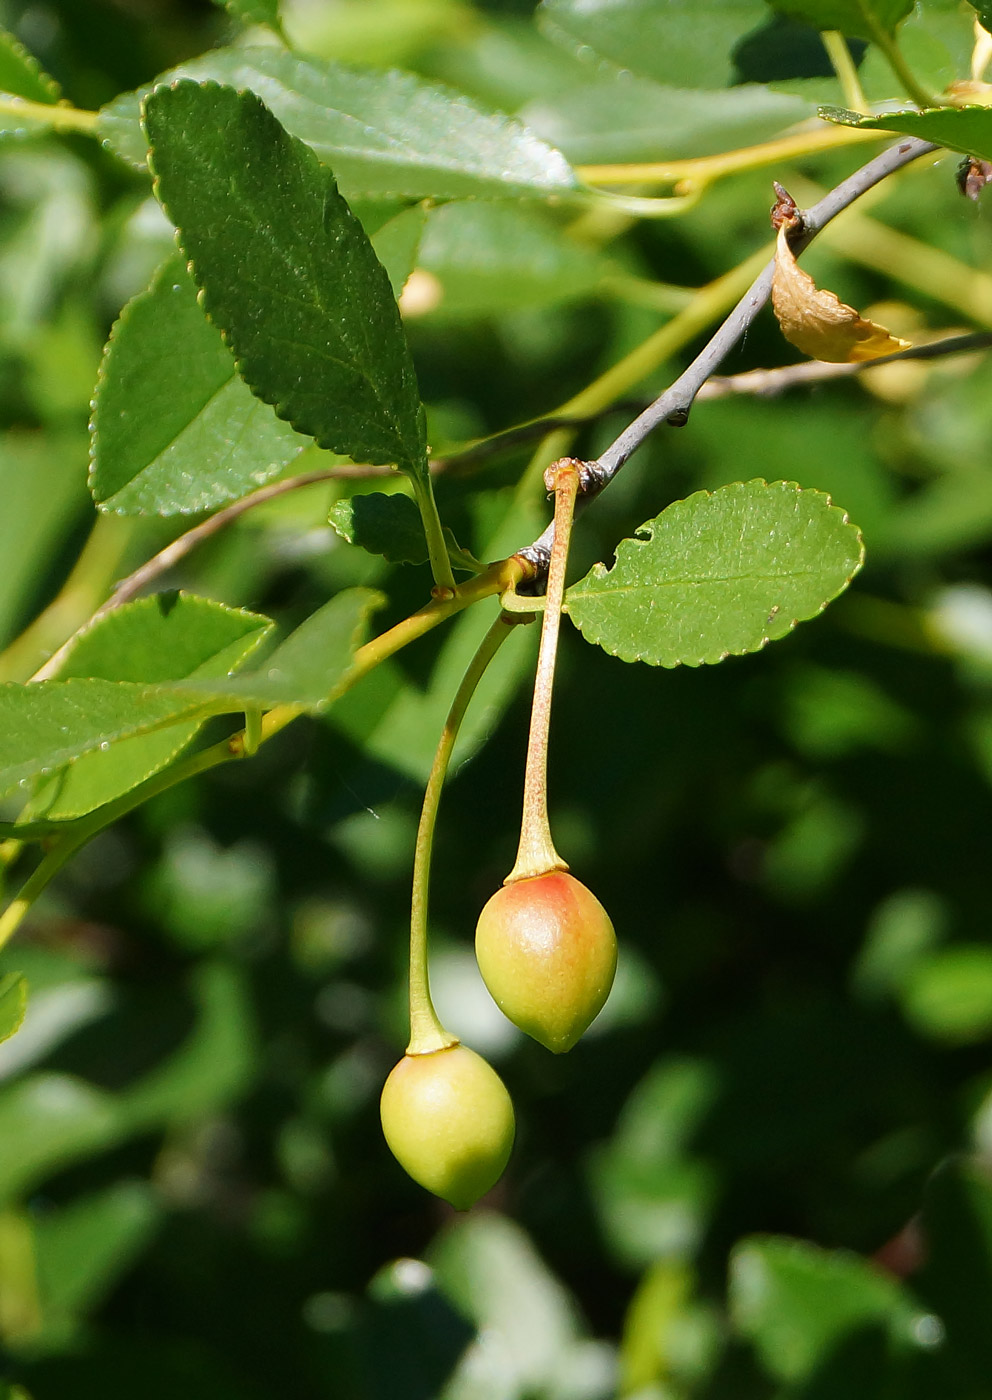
{"x": 44, "y": 727}
{"x": 686, "y": 43}
{"x": 965, "y": 129}
{"x": 381, "y": 132}
{"x": 22, "y": 75}
{"x": 13, "y": 1003}
{"x": 174, "y": 428}
{"x": 718, "y": 575}
{"x": 254, "y": 12}
{"x": 165, "y": 637}
{"x": 796, "y": 1302}
{"x": 390, "y": 525}
{"x": 287, "y": 273}
{"x": 855, "y": 18}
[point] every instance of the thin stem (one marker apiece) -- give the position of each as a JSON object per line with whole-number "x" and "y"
{"x": 88, "y": 581}
{"x": 768, "y": 382}
{"x": 437, "y": 550}
{"x": 845, "y": 68}
{"x": 674, "y": 404}
{"x": 536, "y": 854}
{"x": 58, "y": 115}
{"x": 894, "y": 57}
{"x": 426, "y": 1031}
{"x": 704, "y": 170}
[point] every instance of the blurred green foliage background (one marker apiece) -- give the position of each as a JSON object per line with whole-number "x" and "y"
{"x": 718, "y": 1193}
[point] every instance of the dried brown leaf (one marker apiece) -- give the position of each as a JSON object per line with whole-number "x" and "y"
{"x": 817, "y": 322}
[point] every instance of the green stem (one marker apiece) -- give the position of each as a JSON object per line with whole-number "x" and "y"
{"x": 427, "y": 1034}
{"x": 845, "y": 68}
{"x": 536, "y": 853}
{"x": 893, "y": 54}
{"x": 437, "y": 550}
{"x": 58, "y": 115}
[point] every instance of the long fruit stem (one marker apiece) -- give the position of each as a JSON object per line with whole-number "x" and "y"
{"x": 427, "y": 1034}
{"x": 536, "y": 854}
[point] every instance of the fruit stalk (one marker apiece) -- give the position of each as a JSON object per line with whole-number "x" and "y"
{"x": 536, "y": 854}
{"x": 426, "y": 1031}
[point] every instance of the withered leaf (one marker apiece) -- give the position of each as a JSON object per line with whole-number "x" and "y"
{"x": 817, "y": 322}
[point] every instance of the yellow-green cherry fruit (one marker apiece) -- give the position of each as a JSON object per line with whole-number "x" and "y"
{"x": 448, "y": 1121}
{"x": 548, "y": 954}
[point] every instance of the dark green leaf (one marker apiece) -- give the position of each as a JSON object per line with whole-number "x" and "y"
{"x": 174, "y": 427}
{"x": 686, "y": 43}
{"x": 797, "y": 1302}
{"x": 956, "y": 1279}
{"x": 287, "y": 273}
{"x": 966, "y": 129}
{"x": 21, "y": 74}
{"x": 162, "y": 638}
{"x": 718, "y": 575}
{"x": 381, "y": 132}
{"x": 13, "y": 1003}
{"x": 390, "y": 525}
{"x": 984, "y": 10}
{"x": 855, "y": 18}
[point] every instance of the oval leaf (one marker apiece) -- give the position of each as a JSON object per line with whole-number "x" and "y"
{"x": 174, "y": 428}
{"x": 719, "y": 575}
{"x": 817, "y": 322}
{"x": 287, "y": 273}
{"x": 165, "y": 637}
{"x": 381, "y": 133}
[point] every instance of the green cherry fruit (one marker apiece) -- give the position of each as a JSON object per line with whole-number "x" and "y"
{"x": 448, "y": 1121}
{"x": 548, "y": 954}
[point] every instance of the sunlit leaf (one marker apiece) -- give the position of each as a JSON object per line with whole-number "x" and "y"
{"x": 22, "y": 75}
{"x": 967, "y": 129}
{"x": 315, "y": 329}
{"x": 380, "y": 132}
{"x": 165, "y": 637}
{"x": 797, "y": 1302}
{"x": 719, "y": 574}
